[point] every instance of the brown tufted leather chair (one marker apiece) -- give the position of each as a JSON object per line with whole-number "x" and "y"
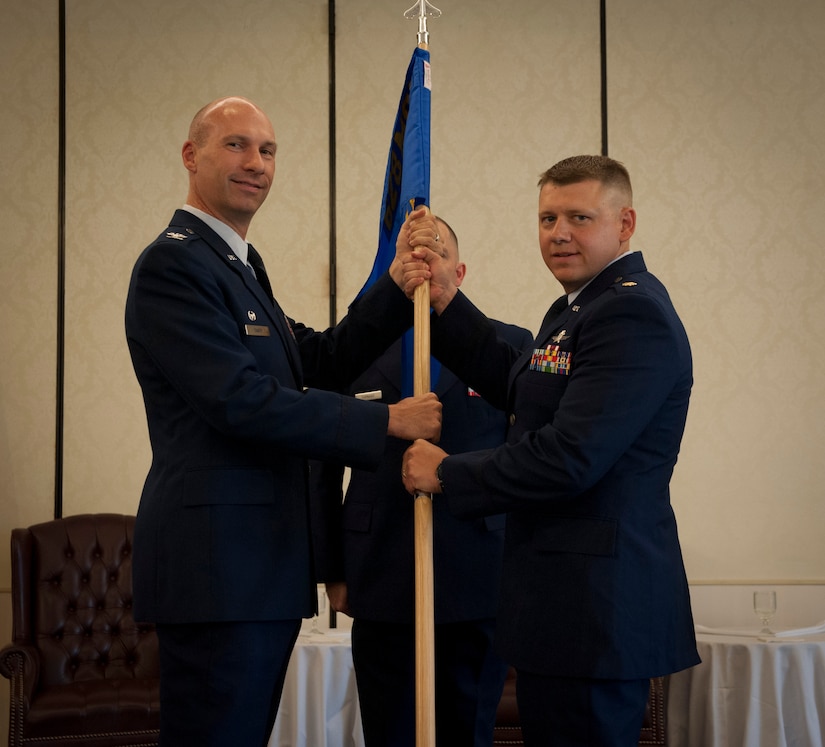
{"x": 82, "y": 671}
{"x": 508, "y": 730}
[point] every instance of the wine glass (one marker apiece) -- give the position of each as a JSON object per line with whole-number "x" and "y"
{"x": 322, "y": 607}
{"x": 764, "y": 606}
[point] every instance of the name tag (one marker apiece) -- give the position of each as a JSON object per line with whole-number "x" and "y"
{"x": 256, "y": 330}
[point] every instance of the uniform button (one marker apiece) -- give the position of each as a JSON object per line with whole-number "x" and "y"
{"x": 512, "y": 418}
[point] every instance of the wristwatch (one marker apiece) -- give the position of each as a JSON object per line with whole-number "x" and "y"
{"x": 438, "y": 475}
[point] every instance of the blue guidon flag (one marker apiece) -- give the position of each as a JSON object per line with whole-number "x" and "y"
{"x": 407, "y": 180}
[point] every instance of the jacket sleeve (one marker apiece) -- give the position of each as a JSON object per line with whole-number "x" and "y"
{"x": 335, "y": 358}
{"x": 467, "y": 342}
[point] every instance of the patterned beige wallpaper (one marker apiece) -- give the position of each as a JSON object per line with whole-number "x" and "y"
{"x": 28, "y": 266}
{"x": 715, "y": 108}
{"x": 138, "y": 75}
{"x": 719, "y": 109}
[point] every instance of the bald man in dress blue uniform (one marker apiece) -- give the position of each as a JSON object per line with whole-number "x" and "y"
{"x": 594, "y": 598}
{"x": 365, "y": 553}
{"x": 222, "y": 558}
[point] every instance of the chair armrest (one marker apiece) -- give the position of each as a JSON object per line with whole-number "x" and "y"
{"x": 20, "y": 664}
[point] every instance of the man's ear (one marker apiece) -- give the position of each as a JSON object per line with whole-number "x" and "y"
{"x": 188, "y": 156}
{"x": 460, "y": 272}
{"x": 628, "y": 219}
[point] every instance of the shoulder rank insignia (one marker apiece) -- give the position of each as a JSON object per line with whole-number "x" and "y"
{"x": 175, "y": 235}
{"x": 628, "y": 284}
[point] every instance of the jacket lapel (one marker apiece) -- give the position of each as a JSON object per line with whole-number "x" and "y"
{"x": 607, "y": 277}
{"x": 273, "y": 310}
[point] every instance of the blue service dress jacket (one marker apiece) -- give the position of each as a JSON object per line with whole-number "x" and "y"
{"x": 368, "y": 541}
{"x": 222, "y": 530}
{"x": 593, "y": 580}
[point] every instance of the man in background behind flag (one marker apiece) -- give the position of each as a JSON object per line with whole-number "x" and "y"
{"x": 364, "y": 554}
{"x": 364, "y": 545}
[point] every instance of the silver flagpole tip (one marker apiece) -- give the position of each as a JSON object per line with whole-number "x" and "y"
{"x": 422, "y": 9}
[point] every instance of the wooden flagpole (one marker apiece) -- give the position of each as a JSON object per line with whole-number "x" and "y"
{"x": 423, "y": 513}
{"x": 424, "y": 593}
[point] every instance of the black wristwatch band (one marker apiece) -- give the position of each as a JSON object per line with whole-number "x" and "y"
{"x": 438, "y": 475}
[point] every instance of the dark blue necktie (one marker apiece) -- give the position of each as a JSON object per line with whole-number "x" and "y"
{"x": 257, "y": 265}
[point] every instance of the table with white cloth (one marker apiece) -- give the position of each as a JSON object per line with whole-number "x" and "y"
{"x": 319, "y": 704}
{"x": 749, "y": 692}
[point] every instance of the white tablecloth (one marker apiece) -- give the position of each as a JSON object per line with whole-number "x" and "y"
{"x": 750, "y": 693}
{"x": 319, "y": 705}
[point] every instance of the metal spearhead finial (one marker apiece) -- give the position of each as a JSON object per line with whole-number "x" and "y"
{"x": 422, "y": 10}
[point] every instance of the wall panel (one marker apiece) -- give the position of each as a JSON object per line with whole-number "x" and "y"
{"x": 28, "y": 266}
{"x": 137, "y": 75}
{"x": 718, "y": 111}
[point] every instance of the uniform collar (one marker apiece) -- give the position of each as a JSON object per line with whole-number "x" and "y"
{"x": 237, "y": 244}
{"x": 572, "y": 296}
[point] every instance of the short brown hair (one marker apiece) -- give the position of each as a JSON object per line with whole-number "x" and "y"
{"x": 583, "y": 168}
